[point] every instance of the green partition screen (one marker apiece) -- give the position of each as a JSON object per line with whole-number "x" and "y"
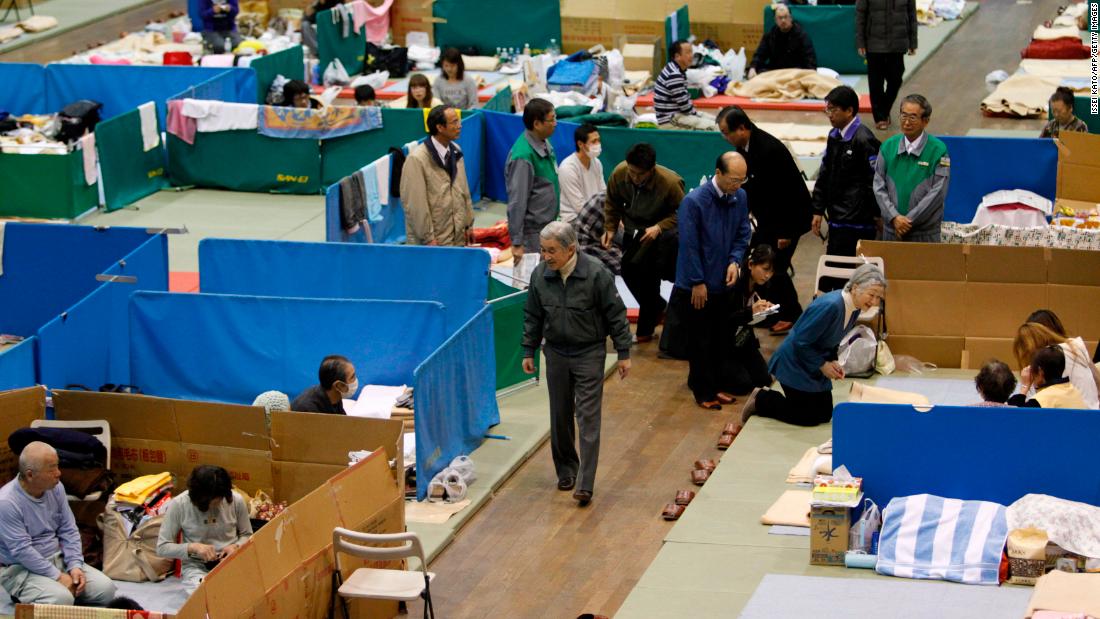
{"x": 45, "y": 186}
{"x": 289, "y": 63}
{"x": 129, "y": 172}
{"x": 331, "y": 43}
{"x": 832, "y": 29}
{"x": 497, "y": 23}
{"x": 507, "y": 306}
{"x": 246, "y": 161}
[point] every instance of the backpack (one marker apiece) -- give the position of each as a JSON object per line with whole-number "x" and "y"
{"x": 78, "y": 118}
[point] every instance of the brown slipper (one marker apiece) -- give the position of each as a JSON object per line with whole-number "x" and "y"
{"x": 700, "y": 477}
{"x": 725, "y": 398}
{"x": 683, "y": 497}
{"x": 725, "y": 441}
{"x": 672, "y": 511}
{"x": 712, "y": 405}
{"x": 732, "y": 428}
{"x": 705, "y": 465}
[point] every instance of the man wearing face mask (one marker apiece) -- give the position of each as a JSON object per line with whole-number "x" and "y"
{"x": 337, "y": 381}
{"x": 581, "y": 174}
{"x": 643, "y": 196}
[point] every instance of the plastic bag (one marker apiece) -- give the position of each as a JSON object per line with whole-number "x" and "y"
{"x": 907, "y": 363}
{"x": 335, "y": 74}
{"x": 863, "y": 535}
{"x": 616, "y": 70}
{"x": 734, "y": 64}
{"x": 857, "y": 351}
{"x": 884, "y": 359}
{"x": 376, "y": 80}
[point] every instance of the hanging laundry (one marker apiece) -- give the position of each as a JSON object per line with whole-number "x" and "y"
{"x": 382, "y": 169}
{"x": 373, "y": 202}
{"x": 150, "y": 136}
{"x": 183, "y": 127}
{"x": 353, "y": 202}
{"x": 87, "y": 144}
{"x": 213, "y": 116}
{"x": 331, "y": 122}
{"x": 378, "y": 21}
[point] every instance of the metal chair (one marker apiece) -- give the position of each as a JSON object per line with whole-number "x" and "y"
{"x": 381, "y": 584}
{"x": 841, "y": 267}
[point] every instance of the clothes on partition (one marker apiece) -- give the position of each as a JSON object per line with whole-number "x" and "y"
{"x": 353, "y": 201}
{"x": 315, "y": 400}
{"x": 87, "y": 145}
{"x": 785, "y": 85}
{"x": 579, "y": 184}
{"x": 382, "y": 171}
{"x": 461, "y": 94}
{"x": 330, "y": 122}
{"x": 911, "y": 180}
{"x": 784, "y": 50}
{"x": 531, "y": 176}
{"x": 3, "y": 226}
{"x": 150, "y": 135}
{"x": 436, "y": 195}
{"x": 377, "y": 21}
{"x": 179, "y": 125}
{"x": 212, "y": 116}
{"x": 370, "y": 193}
{"x": 930, "y": 537}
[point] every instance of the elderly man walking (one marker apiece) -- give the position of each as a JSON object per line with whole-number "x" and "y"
{"x": 40, "y": 552}
{"x": 573, "y": 306}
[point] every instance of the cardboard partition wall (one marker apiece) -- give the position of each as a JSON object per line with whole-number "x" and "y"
{"x": 292, "y": 555}
{"x": 959, "y": 305}
{"x": 730, "y": 24}
{"x": 1078, "y": 168}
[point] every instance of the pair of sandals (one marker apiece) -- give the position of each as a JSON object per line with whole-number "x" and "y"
{"x": 702, "y": 472}
{"x": 729, "y": 433}
{"x": 720, "y": 399}
{"x": 676, "y": 508}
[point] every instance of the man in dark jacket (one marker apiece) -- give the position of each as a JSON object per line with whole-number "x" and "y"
{"x": 785, "y": 46}
{"x": 714, "y": 236}
{"x": 844, "y": 192}
{"x": 885, "y": 31}
{"x": 574, "y": 306}
{"x": 779, "y": 201}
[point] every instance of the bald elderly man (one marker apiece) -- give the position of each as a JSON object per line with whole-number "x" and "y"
{"x": 714, "y": 236}
{"x": 785, "y": 46}
{"x": 40, "y": 557}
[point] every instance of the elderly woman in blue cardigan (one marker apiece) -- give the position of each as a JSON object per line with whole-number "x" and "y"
{"x": 805, "y": 364}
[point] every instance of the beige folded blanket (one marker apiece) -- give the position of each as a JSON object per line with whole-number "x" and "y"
{"x": 803, "y": 472}
{"x": 785, "y": 85}
{"x": 1056, "y": 68}
{"x": 1067, "y": 593}
{"x": 792, "y": 509}
{"x": 480, "y": 63}
{"x": 1042, "y": 33}
{"x": 878, "y": 395}
{"x": 1021, "y": 95}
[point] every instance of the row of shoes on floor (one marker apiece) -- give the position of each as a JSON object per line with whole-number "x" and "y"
{"x": 700, "y": 474}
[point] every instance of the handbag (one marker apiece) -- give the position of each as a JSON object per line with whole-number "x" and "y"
{"x": 132, "y": 556}
{"x": 884, "y": 359}
{"x": 395, "y": 60}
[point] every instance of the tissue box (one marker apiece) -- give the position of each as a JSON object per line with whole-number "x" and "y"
{"x": 830, "y": 489}
{"x": 829, "y": 529}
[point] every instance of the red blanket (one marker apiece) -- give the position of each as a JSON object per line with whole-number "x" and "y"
{"x": 1067, "y": 48}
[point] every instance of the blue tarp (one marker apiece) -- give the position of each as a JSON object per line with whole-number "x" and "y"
{"x": 501, "y": 131}
{"x": 89, "y": 343}
{"x": 231, "y": 348}
{"x": 454, "y": 276}
{"x": 959, "y": 452}
{"x": 25, "y": 90}
{"x": 455, "y": 398}
{"x": 17, "y": 365}
{"x": 979, "y": 165}
{"x": 49, "y": 267}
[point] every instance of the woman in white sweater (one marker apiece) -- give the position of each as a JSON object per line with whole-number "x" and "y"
{"x": 1043, "y": 328}
{"x": 213, "y": 520}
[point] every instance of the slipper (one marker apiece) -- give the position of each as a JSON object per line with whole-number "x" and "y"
{"x": 712, "y": 405}
{"x": 700, "y": 477}
{"x": 725, "y": 398}
{"x": 683, "y": 497}
{"x": 672, "y": 511}
{"x": 705, "y": 465}
{"x": 725, "y": 440}
{"x": 732, "y": 428}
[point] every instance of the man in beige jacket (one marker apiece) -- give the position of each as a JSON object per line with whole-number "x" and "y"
{"x": 434, "y": 190}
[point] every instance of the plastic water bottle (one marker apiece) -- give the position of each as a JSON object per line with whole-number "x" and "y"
{"x": 526, "y": 49}
{"x": 553, "y": 49}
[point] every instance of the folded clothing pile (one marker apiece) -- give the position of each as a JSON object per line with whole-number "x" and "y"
{"x": 142, "y": 498}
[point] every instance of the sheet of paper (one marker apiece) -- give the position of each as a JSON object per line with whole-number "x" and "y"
{"x": 433, "y": 513}
{"x": 374, "y": 401}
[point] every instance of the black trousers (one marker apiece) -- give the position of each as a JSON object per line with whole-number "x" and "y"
{"x": 745, "y": 370}
{"x": 643, "y": 279}
{"x": 884, "y": 72}
{"x": 800, "y": 408}
{"x": 708, "y": 335}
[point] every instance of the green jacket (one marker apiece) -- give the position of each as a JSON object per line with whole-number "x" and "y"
{"x": 655, "y": 202}
{"x": 531, "y": 176}
{"x": 912, "y": 185}
{"x": 575, "y": 317}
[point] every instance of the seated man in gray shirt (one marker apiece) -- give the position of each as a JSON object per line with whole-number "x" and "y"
{"x": 213, "y": 520}
{"x": 41, "y": 561}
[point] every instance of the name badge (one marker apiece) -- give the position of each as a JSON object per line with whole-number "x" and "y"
{"x": 923, "y": 163}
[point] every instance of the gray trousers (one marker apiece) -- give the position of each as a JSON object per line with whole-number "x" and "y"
{"x": 31, "y": 588}
{"x": 576, "y": 390}
{"x": 215, "y": 41}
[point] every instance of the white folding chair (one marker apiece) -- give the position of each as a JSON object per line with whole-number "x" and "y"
{"x": 382, "y": 584}
{"x": 98, "y": 428}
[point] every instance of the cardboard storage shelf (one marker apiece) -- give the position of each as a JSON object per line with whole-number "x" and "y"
{"x": 959, "y": 305}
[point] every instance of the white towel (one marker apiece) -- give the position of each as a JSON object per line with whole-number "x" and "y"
{"x": 382, "y": 169}
{"x": 214, "y": 116}
{"x": 87, "y": 144}
{"x": 2, "y": 224}
{"x": 150, "y": 137}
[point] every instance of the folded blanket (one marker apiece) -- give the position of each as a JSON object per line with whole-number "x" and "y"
{"x": 1043, "y": 33}
{"x": 1056, "y": 68}
{"x": 785, "y": 85}
{"x": 792, "y": 508}
{"x": 1021, "y": 95}
{"x": 803, "y": 472}
{"x": 1057, "y": 49}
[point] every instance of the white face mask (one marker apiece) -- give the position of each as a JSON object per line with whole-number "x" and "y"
{"x": 353, "y": 386}
{"x": 594, "y": 150}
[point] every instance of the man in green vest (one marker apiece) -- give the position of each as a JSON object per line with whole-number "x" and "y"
{"x": 911, "y": 177}
{"x": 531, "y": 176}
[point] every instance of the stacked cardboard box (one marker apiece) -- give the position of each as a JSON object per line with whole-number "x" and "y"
{"x": 730, "y": 24}
{"x": 959, "y": 305}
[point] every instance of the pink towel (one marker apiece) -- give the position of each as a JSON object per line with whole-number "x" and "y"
{"x": 378, "y": 21}
{"x": 179, "y": 125}
{"x": 97, "y": 59}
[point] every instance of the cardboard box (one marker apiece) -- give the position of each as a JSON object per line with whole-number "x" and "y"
{"x": 1077, "y": 307}
{"x": 134, "y": 457}
{"x": 982, "y": 349}
{"x": 945, "y": 352}
{"x": 294, "y": 439}
{"x": 731, "y": 25}
{"x": 294, "y": 480}
{"x": 920, "y": 261}
{"x": 1078, "y": 169}
{"x": 1009, "y": 265}
{"x": 18, "y": 409}
{"x": 412, "y": 16}
{"x": 829, "y": 528}
{"x": 934, "y": 308}
{"x": 1073, "y": 267}
{"x": 998, "y": 310}
{"x": 641, "y": 53}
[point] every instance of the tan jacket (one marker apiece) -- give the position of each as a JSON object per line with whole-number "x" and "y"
{"x": 435, "y": 208}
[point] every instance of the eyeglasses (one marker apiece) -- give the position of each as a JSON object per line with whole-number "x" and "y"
{"x": 910, "y": 117}
{"x": 830, "y": 110}
{"x": 739, "y": 181}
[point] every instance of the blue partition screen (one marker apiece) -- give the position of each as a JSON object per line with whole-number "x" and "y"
{"x": 29, "y": 97}
{"x": 388, "y": 229}
{"x": 966, "y": 452}
{"x": 231, "y": 348}
{"x": 457, "y": 277}
{"x": 472, "y": 143}
{"x": 89, "y": 343}
{"x": 49, "y": 267}
{"x": 17, "y": 365}
{"x": 455, "y": 398}
{"x": 501, "y": 131}
{"x": 1032, "y": 165}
